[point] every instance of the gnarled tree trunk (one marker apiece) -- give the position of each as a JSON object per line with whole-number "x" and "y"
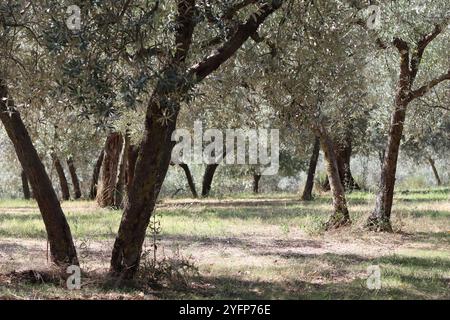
{"x": 119, "y": 193}
{"x": 340, "y": 216}
{"x": 95, "y": 176}
{"x": 190, "y": 179}
{"x": 162, "y": 111}
{"x": 109, "y": 170}
{"x": 25, "y": 186}
{"x": 74, "y": 177}
{"x": 307, "y": 191}
{"x": 343, "y": 151}
{"x": 62, "y": 249}
{"x": 61, "y": 176}
{"x": 149, "y": 173}
{"x": 410, "y": 60}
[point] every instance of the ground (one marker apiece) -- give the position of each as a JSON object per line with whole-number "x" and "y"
{"x": 246, "y": 247}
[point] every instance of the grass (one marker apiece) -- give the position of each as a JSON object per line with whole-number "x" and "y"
{"x": 250, "y": 247}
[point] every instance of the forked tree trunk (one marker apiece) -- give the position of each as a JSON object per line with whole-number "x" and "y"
{"x": 190, "y": 179}
{"x": 410, "y": 61}
{"x": 208, "y": 177}
{"x": 95, "y": 176}
{"x": 435, "y": 172}
{"x": 149, "y": 173}
{"x": 62, "y": 249}
{"x": 61, "y": 176}
{"x": 340, "y": 217}
{"x": 256, "y": 179}
{"x": 109, "y": 170}
{"x": 160, "y": 121}
{"x": 74, "y": 177}
{"x": 307, "y": 191}
{"x": 119, "y": 193}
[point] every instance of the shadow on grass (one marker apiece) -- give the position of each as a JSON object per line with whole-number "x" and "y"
{"x": 437, "y": 238}
{"x": 340, "y": 285}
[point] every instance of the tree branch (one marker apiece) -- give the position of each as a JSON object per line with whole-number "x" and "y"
{"x": 184, "y": 29}
{"x": 403, "y": 49}
{"x": 243, "y": 32}
{"x": 231, "y": 11}
{"x": 422, "y": 44}
{"x": 430, "y": 85}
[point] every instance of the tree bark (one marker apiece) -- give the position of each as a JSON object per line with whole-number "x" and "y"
{"x": 160, "y": 121}
{"x": 190, "y": 179}
{"x": 74, "y": 177}
{"x": 62, "y": 249}
{"x": 410, "y": 61}
{"x": 95, "y": 176}
{"x": 307, "y": 191}
{"x": 133, "y": 152}
{"x": 256, "y": 179}
{"x": 109, "y": 170}
{"x": 435, "y": 172}
{"x": 120, "y": 190}
{"x": 208, "y": 177}
{"x": 379, "y": 220}
{"x": 25, "y": 186}
{"x": 61, "y": 176}
{"x": 343, "y": 150}
{"x": 340, "y": 216}
{"x": 149, "y": 173}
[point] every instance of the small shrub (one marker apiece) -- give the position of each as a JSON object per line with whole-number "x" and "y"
{"x": 175, "y": 271}
{"x": 313, "y": 225}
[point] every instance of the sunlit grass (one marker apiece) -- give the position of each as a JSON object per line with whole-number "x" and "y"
{"x": 257, "y": 250}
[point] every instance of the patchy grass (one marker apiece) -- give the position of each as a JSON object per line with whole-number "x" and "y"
{"x": 266, "y": 246}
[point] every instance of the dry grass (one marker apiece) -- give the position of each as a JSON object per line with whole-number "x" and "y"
{"x": 262, "y": 247}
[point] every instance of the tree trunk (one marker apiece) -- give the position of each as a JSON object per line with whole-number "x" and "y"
{"x": 307, "y": 191}
{"x": 109, "y": 170}
{"x": 151, "y": 167}
{"x": 95, "y": 176}
{"x": 256, "y": 178}
{"x": 74, "y": 177}
{"x": 379, "y": 220}
{"x": 435, "y": 172}
{"x": 190, "y": 179}
{"x": 160, "y": 122}
{"x": 120, "y": 189}
{"x": 61, "y": 176}
{"x": 340, "y": 216}
{"x": 133, "y": 152}
{"x": 62, "y": 249}
{"x": 343, "y": 150}
{"x": 208, "y": 179}
{"x": 25, "y": 186}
